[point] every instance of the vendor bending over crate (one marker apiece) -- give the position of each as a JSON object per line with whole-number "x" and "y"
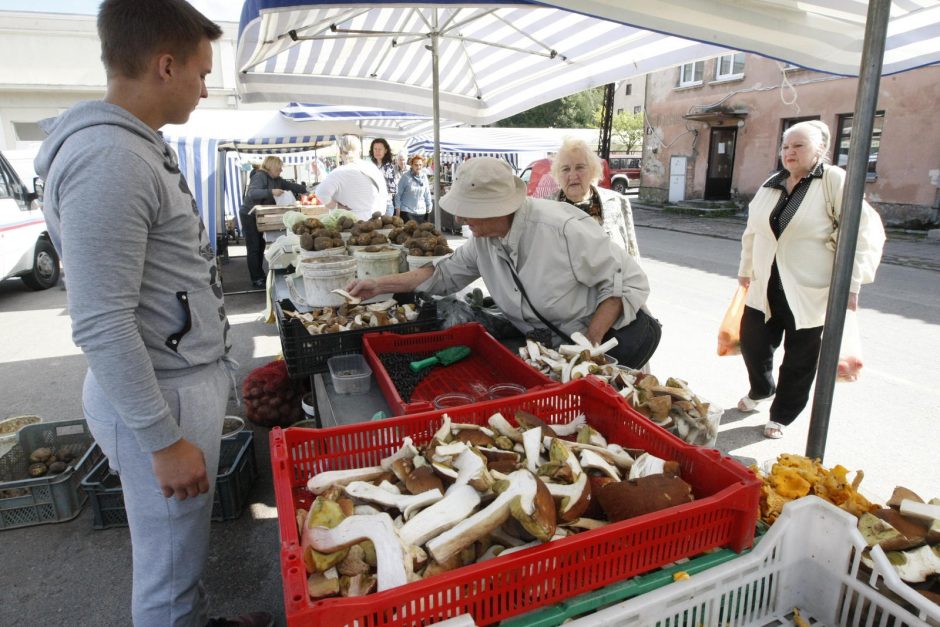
{"x": 546, "y": 264}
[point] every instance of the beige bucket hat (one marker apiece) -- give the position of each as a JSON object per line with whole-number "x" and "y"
{"x": 485, "y": 187}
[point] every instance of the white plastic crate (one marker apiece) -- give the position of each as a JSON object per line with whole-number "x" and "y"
{"x": 809, "y": 559}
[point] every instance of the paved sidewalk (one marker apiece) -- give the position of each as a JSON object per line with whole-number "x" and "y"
{"x": 903, "y": 248}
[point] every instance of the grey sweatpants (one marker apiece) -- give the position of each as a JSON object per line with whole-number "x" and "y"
{"x": 169, "y": 538}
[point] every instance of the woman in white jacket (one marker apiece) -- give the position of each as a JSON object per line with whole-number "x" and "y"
{"x": 787, "y": 253}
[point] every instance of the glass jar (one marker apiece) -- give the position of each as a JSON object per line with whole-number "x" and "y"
{"x": 452, "y": 399}
{"x": 502, "y": 390}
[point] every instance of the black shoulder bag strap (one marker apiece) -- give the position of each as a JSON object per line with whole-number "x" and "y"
{"x": 551, "y": 327}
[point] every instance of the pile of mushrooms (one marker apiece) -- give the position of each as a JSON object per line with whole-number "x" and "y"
{"x": 352, "y": 315}
{"x": 472, "y": 494}
{"x": 908, "y": 530}
{"x": 672, "y": 405}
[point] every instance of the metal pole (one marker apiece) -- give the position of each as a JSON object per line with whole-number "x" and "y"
{"x": 436, "y": 103}
{"x": 866, "y": 99}
{"x": 607, "y": 122}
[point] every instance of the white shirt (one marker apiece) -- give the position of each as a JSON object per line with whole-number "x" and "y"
{"x": 358, "y": 187}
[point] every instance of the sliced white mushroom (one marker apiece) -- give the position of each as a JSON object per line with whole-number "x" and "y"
{"x": 389, "y": 487}
{"x": 366, "y": 510}
{"x": 407, "y": 451}
{"x": 319, "y": 483}
{"x": 383, "y": 306}
{"x": 591, "y": 460}
{"x": 572, "y": 495}
{"x": 646, "y": 465}
{"x": 532, "y": 442}
{"x": 352, "y": 300}
{"x": 502, "y": 426}
{"x": 443, "y": 434}
{"x": 490, "y": 553}
{"x": 533, "y": 348}
{"x": 586, "y": 523}
{"x": 459, "y": 503}
{"x": 393, "y": 563}
{"x": 446, "y": 452}
{"x": 471, "y": 469}
{"x": 407, "y": 504}
{"x": 620, "y": 459}
{"x": 569, "y": 428}
{"x": 579, "y": 338}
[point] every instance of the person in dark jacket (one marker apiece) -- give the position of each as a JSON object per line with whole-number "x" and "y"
{"x": 264, "y": 186}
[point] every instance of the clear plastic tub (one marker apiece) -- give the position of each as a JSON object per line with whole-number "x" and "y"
{"x": 350, "y": 373}
{"x": 452, "y": 399}
{"x": 502, "y": 390}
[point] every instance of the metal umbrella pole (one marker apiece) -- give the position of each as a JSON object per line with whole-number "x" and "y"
{"x": 876, "y": 26}
{"x": 436, "y": 106}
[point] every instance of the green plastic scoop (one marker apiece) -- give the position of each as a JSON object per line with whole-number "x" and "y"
{"x": 443, "y": 357}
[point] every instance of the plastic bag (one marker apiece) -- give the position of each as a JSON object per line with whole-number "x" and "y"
{"x": 271, "y": 397}
{"x": 729, "y": 333}
{"x": 850, "y": 353}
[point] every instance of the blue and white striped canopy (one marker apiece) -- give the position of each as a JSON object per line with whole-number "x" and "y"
{"x": 499, "y": 58}
{"x": 371, "y": 121}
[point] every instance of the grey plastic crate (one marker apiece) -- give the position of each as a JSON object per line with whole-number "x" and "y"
{"x": 238, "y": 470}
{"x": 26, "y": 501}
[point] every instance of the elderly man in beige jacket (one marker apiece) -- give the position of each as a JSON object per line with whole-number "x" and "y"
{"x": 546, "y": 265}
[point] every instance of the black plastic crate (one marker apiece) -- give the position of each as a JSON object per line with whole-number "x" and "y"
{"x": 238, "y": 471}
{"x": 25, "y": 500}
{"x": 307, "y": 354}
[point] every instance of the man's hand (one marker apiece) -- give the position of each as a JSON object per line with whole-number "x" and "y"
{"x": 744, "y": 281}
{"x": 277, "y": 192}
{"x": 181, "y": 470}
{"x": 363, "y": 288}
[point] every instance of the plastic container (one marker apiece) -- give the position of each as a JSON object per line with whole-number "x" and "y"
{"x": 9, "y": 427}
{"x": 452, "y": 399}
{"x": 808, "y": 560}
{"x": 489, "y": 363}
{"x": 231, "y": 426}
{"x": 350, "y": 373}
{"x": 322, "y": 275}
{"x": 415, "y": 261}
{"x": 237, "y": 473}
{"x": 502, "y": 390}
{"x": 307, "y": 354}
{"x": 373, "y": 264}
{"x": 723, "y": 514}
{"x": 26, "y": 501}
{"x": 316, "y": 254}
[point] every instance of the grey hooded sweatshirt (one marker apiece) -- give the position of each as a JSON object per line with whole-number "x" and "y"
{"x": 143, "y": 289}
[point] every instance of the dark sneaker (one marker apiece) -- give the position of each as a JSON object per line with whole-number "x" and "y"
{"x": 258, "y": 284}
{"x": 252, "y": 619}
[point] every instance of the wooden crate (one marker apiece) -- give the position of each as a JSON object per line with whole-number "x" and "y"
{"x": 270, "y": 217}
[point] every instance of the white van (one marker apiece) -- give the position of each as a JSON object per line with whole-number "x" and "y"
{"x": 26, "y": 251}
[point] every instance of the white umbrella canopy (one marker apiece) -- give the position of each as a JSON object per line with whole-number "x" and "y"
{"x": 496, "y": 59}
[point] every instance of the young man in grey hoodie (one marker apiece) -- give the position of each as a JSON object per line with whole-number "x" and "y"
{"x": 144, "y": 296}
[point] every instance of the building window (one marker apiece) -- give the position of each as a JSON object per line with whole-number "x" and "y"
{"x": 637, "y": 108}
{"x": 729, "y": 66}
{"x": 28, "y": 132}
{"x": 619, "y": 111}
{"x": 691, "y": 74}
{"x": 844, "y": 137}
{"x": 629, "y": 89}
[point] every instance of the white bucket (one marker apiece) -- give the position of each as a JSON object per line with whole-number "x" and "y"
{"x": 402, "y": 257}
{"x": 327, "y": 252}
{"x": 322, "y": 275}
{"x": 415, "y": 262}
{"x": 379, "y": 263}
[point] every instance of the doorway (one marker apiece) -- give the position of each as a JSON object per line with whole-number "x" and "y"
{"x": 720, "y": 162}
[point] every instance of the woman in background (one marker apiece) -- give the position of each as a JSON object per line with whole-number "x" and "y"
{"x": 576, "y": 169}
{"x": 381, "y": 154}
{"x": 413, "y": 199}
{"x": 787, "y": 252}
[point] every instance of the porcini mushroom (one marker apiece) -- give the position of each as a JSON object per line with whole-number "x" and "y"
{"x": 593, "y": 461}
{"x": 520, "y": 483}
{"x": 573, "y": 499}
{"x": 459, "y": 503}
{"x": 471, "y": 468}
{"x": 407, "y": 504}
{"x": 406, "y": 451}
{"x": 319, "y": 483}
{"x": 392, "y": 557}
{"x": 502, "y": 426}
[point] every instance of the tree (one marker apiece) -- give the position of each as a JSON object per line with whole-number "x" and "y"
{"x": 626, "y": 133}
{"x": 575, "y": 111}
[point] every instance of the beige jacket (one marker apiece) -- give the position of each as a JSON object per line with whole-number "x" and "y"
{"x": 803, "y": 259}
{"x": 617, "y": 215}
{"x": 565, "y": 261}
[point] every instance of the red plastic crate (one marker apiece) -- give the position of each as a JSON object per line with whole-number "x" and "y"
{"x": 724, "y": 513}
{"x": 489, "y": 363}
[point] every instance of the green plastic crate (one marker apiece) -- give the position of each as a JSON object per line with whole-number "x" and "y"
{"x": 26, "y": 501}
{"x": 237, "y": 473}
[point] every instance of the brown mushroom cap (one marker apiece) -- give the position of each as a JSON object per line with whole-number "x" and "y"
{"x": 530, "y": 421}
{"x": 621, "y": 500}
{"x": 541, "y": 524}
{"x": 474, "y": 437}
{"x": 423, "y": 479}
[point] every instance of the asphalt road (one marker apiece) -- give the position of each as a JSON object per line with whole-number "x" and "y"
{"x": 884, "y": 424}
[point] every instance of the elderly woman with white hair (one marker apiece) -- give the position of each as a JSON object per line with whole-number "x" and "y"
{"x": 576, "y": 169}
{"x": 546, "y": 265}
{"x": 787, "y": 253}
{"x": 357, "y": 185}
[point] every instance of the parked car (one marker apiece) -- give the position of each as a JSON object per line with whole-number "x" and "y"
{"x": 624, "y": 173}
{"x": 26, "y": 251}
{"x": 539, "y": 181}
